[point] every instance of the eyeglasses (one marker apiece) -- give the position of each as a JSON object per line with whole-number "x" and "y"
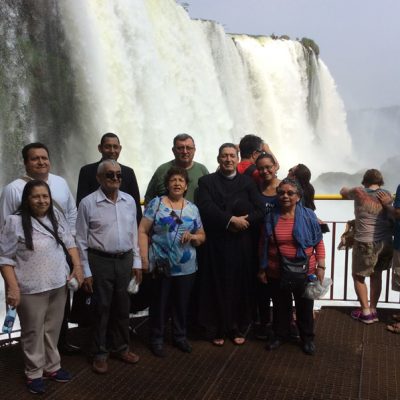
{"x": 290, "y": 193}
{"x": 176, "y": 218}
{"x": 181, "y": 149}
{"x": 268, "y": 167}
{"x": 113, "y": 175}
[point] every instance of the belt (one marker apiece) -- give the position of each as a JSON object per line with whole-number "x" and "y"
{"x": 110, "y": 255}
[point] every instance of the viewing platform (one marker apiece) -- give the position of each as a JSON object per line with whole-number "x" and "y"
{"x": 353, "y": 361}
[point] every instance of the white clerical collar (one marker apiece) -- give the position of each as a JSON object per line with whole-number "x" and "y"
{"x": 231, "y": 176}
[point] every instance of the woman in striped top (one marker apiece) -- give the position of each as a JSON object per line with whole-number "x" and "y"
{"x": 291, "y": 231}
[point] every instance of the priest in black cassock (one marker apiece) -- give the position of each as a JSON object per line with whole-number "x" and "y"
{"x": 231, "y": 208}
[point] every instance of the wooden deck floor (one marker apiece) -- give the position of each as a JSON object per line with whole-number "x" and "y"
{"x": 353, "y": 361}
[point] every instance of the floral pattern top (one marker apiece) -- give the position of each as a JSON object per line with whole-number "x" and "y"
{"x": 166, "y": 233}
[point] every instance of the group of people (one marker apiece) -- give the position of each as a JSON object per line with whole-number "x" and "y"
{"x": 215, "y": 246}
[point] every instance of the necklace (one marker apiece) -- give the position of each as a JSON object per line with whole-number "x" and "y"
{"x": 177, "y": 219}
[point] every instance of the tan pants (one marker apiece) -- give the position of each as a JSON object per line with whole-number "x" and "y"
{"x": 41, "y": 316}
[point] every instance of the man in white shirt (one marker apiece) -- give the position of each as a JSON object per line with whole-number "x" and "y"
{"x": 37, "y": 166}
{"x": 108, "y": 243}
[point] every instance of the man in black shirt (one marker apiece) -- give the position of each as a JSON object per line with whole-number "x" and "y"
{"x": 110, "y": 149}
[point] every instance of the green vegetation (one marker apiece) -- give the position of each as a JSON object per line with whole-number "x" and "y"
{"x": 310, "y": 45}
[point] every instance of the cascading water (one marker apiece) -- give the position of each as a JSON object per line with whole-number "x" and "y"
{"x": 144, "y": 70}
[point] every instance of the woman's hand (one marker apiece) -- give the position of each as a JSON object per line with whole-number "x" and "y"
{"x": 320, "y": 273}
{"x": 186, "y": 237}
{"x": 77, "y": 273}
{"x": 13, "y": 296}
{"x": 262, "y": 276}
{"x": 386, "y": 199}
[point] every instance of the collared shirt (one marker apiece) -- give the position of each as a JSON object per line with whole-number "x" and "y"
{"x": 11, "y": 196}
{"x": 45, "y": 267}
{"x": 107, "y": 226}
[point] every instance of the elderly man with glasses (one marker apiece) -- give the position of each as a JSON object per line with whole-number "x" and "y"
{"x": 108, "y": 243}
{"x": 184, "y": 150}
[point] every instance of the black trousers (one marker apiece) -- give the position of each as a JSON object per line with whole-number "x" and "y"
{"x": 283, "y": 306}
{"x": 110, "y": 282}
{"x": 170, "y": 294}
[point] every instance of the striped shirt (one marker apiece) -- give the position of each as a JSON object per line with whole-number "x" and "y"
{"x": 288, "y": 248}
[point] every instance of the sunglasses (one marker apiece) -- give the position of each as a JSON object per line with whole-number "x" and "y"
{"x": 113, "y": 175}
{"x": 176, "y": 218}
{"x": 290, "y": 193}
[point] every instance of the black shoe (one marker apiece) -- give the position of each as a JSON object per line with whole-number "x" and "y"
{"x": 68, "y": 349}
{"x": 183, "y": 345}
{"x": 309, "y": 348}
{"x": 158, "y": 350}
{"x": 274, "y": 344}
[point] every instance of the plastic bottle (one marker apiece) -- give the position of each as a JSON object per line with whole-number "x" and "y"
{"x": 312, "y": 278}
{"x": 73, "y": 284}
{"x": 9, "y": 319}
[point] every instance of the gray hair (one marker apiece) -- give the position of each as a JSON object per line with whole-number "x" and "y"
{"x": 181, "y": 137}
{"x": 102, "y": 165}
{"x": 294, "y": 183}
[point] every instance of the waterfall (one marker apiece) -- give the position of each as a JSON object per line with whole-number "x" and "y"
{"x": 146, "y": 71}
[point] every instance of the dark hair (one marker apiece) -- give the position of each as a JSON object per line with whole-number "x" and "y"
{"x": 248, "y": 144}
{"x": 35, "y": 145}
{"x": 292, "y": 182}
{"x": 175, "y": 171}
{"x": 372, "y": 177}
{"x": 108, "y": 135}
{"x": 225, "y": 145}
{"x": 303, "y": 175}
{"x": 26, "y": 213}
{"x": 181, "y": 137}
{"x": 266, "y": 155}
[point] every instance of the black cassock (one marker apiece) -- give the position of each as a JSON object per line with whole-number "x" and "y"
{"x": 227, "y": 260}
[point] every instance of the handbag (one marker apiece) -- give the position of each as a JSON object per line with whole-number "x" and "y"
{"x": 61, "y": 243}
{"x": 294, "y": 271}
{"x": 162, "y": 266}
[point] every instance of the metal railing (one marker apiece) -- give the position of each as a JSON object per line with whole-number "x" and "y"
{"x": 338, "y": 269}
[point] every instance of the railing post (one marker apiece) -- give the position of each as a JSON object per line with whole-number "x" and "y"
{"x": 333, "y": 257}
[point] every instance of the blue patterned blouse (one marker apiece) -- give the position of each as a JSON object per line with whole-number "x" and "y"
{"x": 166, "y": 234}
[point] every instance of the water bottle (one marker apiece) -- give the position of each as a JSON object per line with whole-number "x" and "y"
{"x": 9, "y": 319}
{"x": 312, "y": 278}
{"x": 133, "y": 287}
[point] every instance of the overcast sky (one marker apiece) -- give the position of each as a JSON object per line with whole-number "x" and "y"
{"x": 358, "y": 39}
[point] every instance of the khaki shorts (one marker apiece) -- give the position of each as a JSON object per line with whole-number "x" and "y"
{"x": 371, "y": 257}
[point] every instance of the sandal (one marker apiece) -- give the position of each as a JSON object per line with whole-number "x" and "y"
{"x": 394, "y": 328}
{"x": 219, "y": 342}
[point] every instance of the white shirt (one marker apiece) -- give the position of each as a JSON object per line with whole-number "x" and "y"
{"x": 45, "y": 267}
{"x": 11, "y": 197}
{"x": 107, "y": 226}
